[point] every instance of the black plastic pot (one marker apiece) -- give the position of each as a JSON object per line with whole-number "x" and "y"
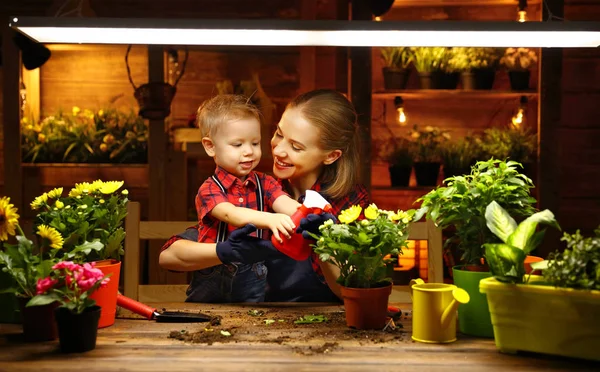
{"x": 427, "y": 173}
{"x": 484, "y": 78}
{"x": 77, "y": 333}
{"x": 400, "y": 175}
{"x": 38, "y": 321}
{"x": 444, "y": 80}
{"x": 519, "y": 80}
{"x": 394, "y": 79}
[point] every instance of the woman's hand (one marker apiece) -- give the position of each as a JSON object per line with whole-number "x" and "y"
{"x": 240, "y": 247}
{"x": 311, "y": 224}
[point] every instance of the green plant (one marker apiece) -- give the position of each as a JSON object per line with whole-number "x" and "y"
{"x": 468, "y": 59}
{"x": 397, "y": 58}
{"x": 464, "y": 199}
{"x": 518, "y": 59}
{"x": 428, "y": 59}
{"x": 396, "y": 151}
{"x": 428, "y": 143}
{"x": 578, "y": 266}
{"x": 518, "y": 144}
{"x": 462, "y": 153}
{"x": 90, "y": 219}
{"x": 363, "y": 249}
{"x": 507, "y": 259}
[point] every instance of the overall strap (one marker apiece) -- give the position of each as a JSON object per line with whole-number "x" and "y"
{"x": 259, "y": 201}
{"x": 222, "y": 229}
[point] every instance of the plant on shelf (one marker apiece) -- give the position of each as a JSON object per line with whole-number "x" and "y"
{"x": 477, "y": 66}
{"x": 519, "y": 62}
{"x": 458, "y": 156}
{"x": 396, "y": 61}
{"x": 398, "y": 153}
{"x": 85, "y": 136}
{"x": 427, "y": 149}
{"x": 426, "y": 61}
{"x": 518, "y": 144}
{"x": 362, "y": 246}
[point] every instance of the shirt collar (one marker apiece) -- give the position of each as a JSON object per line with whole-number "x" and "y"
{"x": 227, "y": 179}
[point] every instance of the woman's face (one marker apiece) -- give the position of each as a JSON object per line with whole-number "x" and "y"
{"x": 297, "y": 155}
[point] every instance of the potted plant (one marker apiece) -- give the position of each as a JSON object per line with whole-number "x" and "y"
{"x": 398, "y": 153}
{"x": 554, "y": 314}
{"x": 24, "y": 263}
{"x": 446, "y": 76}
{"x": 477, "y": 66}
{"x": 71, "y": 285}
{"x": 427, "y": 61}
{"x": 461, "y": 204}
{"x": 91, "y": 221}
{"x": 363, "y": 249}
{"x": 459, "y": 156}
{"x": 396, "y": 70}
{"x": 519, "y": 62}
{"x": 427, "y": 149}
{"x": 518, "y": 144}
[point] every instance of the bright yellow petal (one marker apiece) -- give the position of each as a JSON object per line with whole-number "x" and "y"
{"x": 9, "y": 219}
{"x": 350, "y": 214}
{"x": 54, "y": 238}
{"x": 39, "y": 201}
{"x": 111, "y": 186}
{"x": 371, "y": 212}
{"x": 56, "y": 193}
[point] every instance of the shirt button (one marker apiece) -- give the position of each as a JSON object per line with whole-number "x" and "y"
{"x": 241, "y": 200}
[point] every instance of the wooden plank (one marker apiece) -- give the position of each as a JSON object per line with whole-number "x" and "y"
{"x": 131, "y": 277}
{"x": 308, "y": 54}
{"x": 162, "y": 229}
{"x": 583, "y": 110}
{"x": 453, "y": 93}
{"x": 580, "y": 146}
{"x": 581, "y": 74}
{"x": 462, "y": 3}
{"x": 162, "y": 293}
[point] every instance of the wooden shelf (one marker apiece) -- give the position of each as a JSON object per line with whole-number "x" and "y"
{"x": 452, "y": 93}
{"x": 438, "y": 3}
{"x": 416, "y": 189}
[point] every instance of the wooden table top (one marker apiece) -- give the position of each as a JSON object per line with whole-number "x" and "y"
{"x": 137, "y": 344}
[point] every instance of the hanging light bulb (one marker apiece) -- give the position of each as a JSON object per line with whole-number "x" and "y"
{"x": 399, "y": 104}
{"x": 521, "y": 12}
{"x": 377, "y": 19}
{"x": 519, "y": 119}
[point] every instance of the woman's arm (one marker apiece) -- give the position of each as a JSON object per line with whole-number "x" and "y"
{"x": 331, "y": 273}
{"x": 188, "y": 255}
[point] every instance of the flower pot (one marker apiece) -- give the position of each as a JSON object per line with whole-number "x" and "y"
{"x": 77, "y": 332}
{"x": 468, "y": 80}
{"x": 38, "y": 321}
{"x": 519, "y": 80}
{"x": 427, "y": 173}
{"x": 9, "y": 310}
{"x": 395, "y": 78}
{"x": 106, "y": 297}
{"x": 366, "y": 308}
{"x": 474, "y": 317}
{"x": 400, "y": 175}
{"x": 544, "y": 319}
{"x": 444, "y": 80}
{"x": 529, "y": 260}
{"x": 454, "y": 171}
{"x": 484, "y": 78}
{"x": 425, "y": 80}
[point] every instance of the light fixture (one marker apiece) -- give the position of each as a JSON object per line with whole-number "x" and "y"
{"x": 522, "y": 11}
{"x": 33, "y": 54}
{"x": 519, "y": 118}
{"x": 379, "y": 7}
{"x": 399, "y": 104}
{"x": 280, "y": 32}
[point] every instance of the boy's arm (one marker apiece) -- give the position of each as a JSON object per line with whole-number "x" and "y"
{"x": 286, "y": 205}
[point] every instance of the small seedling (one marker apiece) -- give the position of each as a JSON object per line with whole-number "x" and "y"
{"x": 309, "y": 319}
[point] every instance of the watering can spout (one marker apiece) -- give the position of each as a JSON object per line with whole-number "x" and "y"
{"x": 460, "y": 297}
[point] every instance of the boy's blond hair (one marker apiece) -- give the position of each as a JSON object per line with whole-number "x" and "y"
{"x": 213, "y": 112}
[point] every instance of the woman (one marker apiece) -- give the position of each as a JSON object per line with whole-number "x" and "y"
{"x": 315, "y": 147}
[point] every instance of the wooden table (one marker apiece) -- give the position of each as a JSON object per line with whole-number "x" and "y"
{"x": 136, "y": 344}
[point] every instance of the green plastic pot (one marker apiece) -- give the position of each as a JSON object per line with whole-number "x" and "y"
{"x": 474, "y": 317}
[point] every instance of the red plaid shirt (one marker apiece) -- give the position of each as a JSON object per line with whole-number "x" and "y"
{"x": 238, "y": 193}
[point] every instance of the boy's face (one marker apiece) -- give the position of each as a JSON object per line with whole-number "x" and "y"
{"x": 235, "y": 146}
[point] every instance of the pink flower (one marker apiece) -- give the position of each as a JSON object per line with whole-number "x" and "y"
{"x": 43, "y": 285}
{"x": 69, "y": 265}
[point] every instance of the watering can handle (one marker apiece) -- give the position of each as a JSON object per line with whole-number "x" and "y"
{"x": 413, "y": 282}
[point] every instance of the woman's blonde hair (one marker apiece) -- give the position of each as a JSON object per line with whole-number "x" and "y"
{"x": 213, "y": 112}
{"x": 335, "y": 117}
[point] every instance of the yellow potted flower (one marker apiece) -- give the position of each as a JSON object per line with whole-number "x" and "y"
{"x": 362, "y": 245}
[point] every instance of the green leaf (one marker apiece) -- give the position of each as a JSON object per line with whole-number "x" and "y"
{"x": 41, "y": 300}
{"x": 506, "y": 262}
{"x": 499, "y": 221}
{"x": 113, "y": 243}
{"x": 520, "y": 237}
{"x": 540, "y": 265}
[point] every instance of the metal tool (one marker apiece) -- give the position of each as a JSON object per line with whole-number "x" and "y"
{"x": 160, "y": 316}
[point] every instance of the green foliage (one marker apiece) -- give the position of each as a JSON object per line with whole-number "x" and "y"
{"x": 518, "y": 59}
{"x": 507, "y": 259}
{"x": 395, "y": 151}
{"x": 105, "y": 136}
{"x": 428, "y": 143}
{"x": 463, "y": 201}
{"x": 515, "y": 144}
{"x": 578, "y": 266}
{"x": 310, "y": 319}
{"x": 397, "y": 57}
{"x": 429, "y": 59}
{"x": 462, "y": 153}
{"x": 468, "y": 59}
{"x": 363, "y": 249}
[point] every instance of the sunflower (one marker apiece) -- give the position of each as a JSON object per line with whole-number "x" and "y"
{"x": 52, "y": 235}
{"x": 9, "y": 219}
{"x": 350, "y": 214}
{"x": 56, "y": 193}
{"x": 39, "y": 201}
{"x": 111, "y": 186}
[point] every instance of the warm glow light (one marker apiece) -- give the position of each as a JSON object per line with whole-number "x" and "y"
{"x": 378, "y": 19}
{"x": 517, "y": 120}
{"x": 309, "y": 32}
{"x": 401, "y": 116}
{"x": 522, "y": 16}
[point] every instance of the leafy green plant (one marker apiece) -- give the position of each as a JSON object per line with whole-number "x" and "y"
{"x": 468, "y": 59}
{"x": 363, "y": 249}
{"x": 578, "y": 266}
{"x": 428, "y": 143}
{"x": 518, "y": 144}
{"x": 518, "y": 59}
{"x": 396, "y": 151}
{"x": 428, "y": 59}
{"x": 464, "y": 199}
{"x": 507, "y": 259}
{"x": 397, "y": 58}
{"x": 461, "y": 154}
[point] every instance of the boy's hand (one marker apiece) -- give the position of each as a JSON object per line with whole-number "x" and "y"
{"x": 311, "y": 224}
{"x": 280, "y": 224}
{"x": 240, "y": 247}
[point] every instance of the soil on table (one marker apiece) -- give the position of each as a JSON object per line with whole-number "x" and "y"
{"x": 276, "y": 326}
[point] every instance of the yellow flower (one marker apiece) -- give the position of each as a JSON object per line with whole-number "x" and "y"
{"x": 59, "y": 204}
{"x": 41, "y": 138}
{"x": 399, "y": 216}
{"x": 81, "y": 188}
{"x": 101, "y": 113}
{"x": 56, "y": 193}
{"x": 126, "y": 192}
{"x": 372, "y": 212}
{"x": 76, "y": 110}
{"x": 350, "y": 214}
{"x": 111, "y": 186}
{"x": 97, "y": 185}
{"x": 39, "y": 201}
{"x": 103, "y": 147}
{"x": 52, "y": 235}
{"x": 9, "y": 219}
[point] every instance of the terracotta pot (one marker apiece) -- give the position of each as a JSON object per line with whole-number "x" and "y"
{"x": 106, "y": 297}
{"x": 38, "y": 321}
{"x": 366, "y": 308}
{"x": 77, "y": 332}
{"x": 529, "y": 260}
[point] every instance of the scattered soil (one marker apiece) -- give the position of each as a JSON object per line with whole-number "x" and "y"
{"x": 277, "y": 327}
